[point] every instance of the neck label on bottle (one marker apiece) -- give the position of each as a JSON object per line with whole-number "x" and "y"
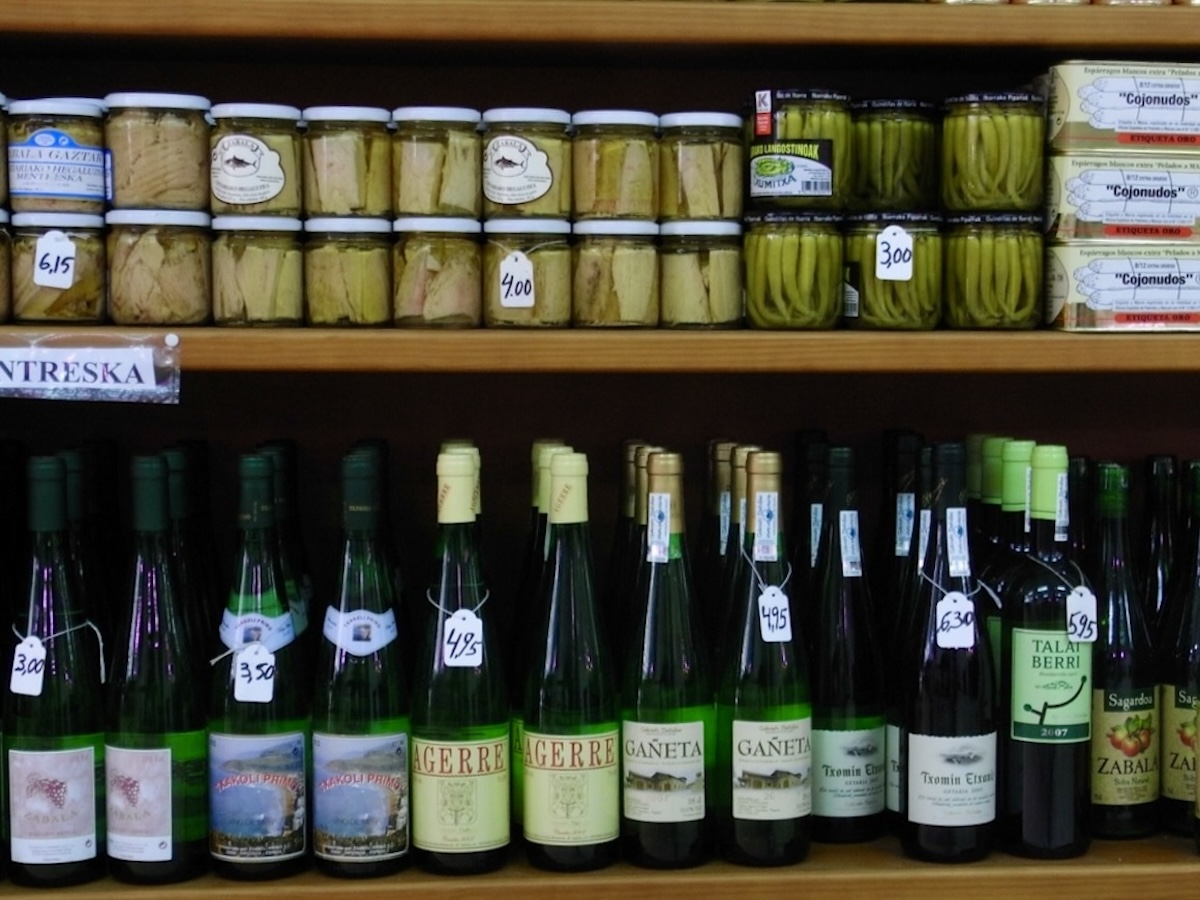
{"x": 257, "y": 796}
{"x": 1082, "y": 624}
{"x": 851, "y": 552}
{"x": 766, "y": 526}
{"x": 359, "y": 632}
{"x": 926, "y": 518}
{"x": 952, "y": 780}
{"x": 1028, "y": 497}
{"x": 462, "y": 639}
{"x": 956, "y": 621}
{"x": 658, "y": 528}
{"x": 772, "y": 768}
{"x": 664, "y": 770}
{"x": 52, "y": 799}
{"x": 273, "y": 632}
{"x": 1050, "y": 675}
{"x": 360, "y": 797}
{"x": 816, "y": 515}
{"x": 958, "y": 550}
{"x": 1062, "y": 509}
{"x": 906, "y": 512}
{"x": 741, "y": 521}
{"x": 572, "y": 788}
{"x": 29, "y": 667}
{"x": 254, "y": 675}
{"x": 774, "y": 616}
{"x": 725, "y": 505}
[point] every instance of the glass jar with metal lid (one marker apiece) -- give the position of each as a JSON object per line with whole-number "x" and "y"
{"x": 793, "y": 270}
{"x": 801, "y": 150}
{"x": 526, "y": 163}
{"x": 527, "y": 273}
{"x": 616, "y": 273}
{"x": 348, "y": 271}
{"x": 255, "y": 160}
{"x": 701, "y": 166}
{"x": 437, "y": 272}
{"x": 347, "y": 161}
{"x": 158, "y": 151}
{"x": 993, "y": 270}
{"x": 437, "y": 161}
{"x": 895, "y": 154}
{"x": 159, "y": 267}
{"x": 56, "y": 156}
{"x": 257, "y": 271}
{"x": 615, "y": 164}
{"x": 701, "y": 264}
{"x": 893, "y": 270}
{"x": 5, "y": 267}
{"x": 993, "y": 147}
{"x": 58, "y": 272}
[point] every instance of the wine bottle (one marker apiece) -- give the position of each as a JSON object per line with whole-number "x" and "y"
{"x": 714, "y": 535}
{"x": 572, "y": 781}
{"x": 360, "y": 707}
{"x": 812, "y": 491}
{"x": 724, "y": 637}
{"x": 991, "y": 496}
{"x": 847, "y": 681}
{"x": 628, "y": 603}
{"x": 668, "y": 717}
{"x": 258, "y": 718}
{"x": 91, "y": 577}
{"x": 157, "y": 746}
{"x": 764, "y": 712}
{"x": 897, "y": 516}
{"x": 209, "y": 565}
{"x": 14, "y": 533}
{"x": 623, "y": 551}
{"x": 293, "y": 561}
{"x": 1081, "y": 525}
{"x": 1161, "y": 537}
{"x": 974, "y": 448}
{"x": 190, "y": 581}
{"x": 54, "y": 709}
{"x": 1049, "y": 631}
{"x": 460, "y": 711}
{"x": 1125, "y": 719}
{"x": 949, "y": 721}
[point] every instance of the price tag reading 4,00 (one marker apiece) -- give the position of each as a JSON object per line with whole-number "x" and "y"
{"x": 254, "y": 675}
{"x": 516, "y": 281}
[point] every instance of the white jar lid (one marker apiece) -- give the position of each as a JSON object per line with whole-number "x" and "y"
{"x": 631, "y": 227}
{"x": 700, "y": 120}
{"x": 615, "y": 117}
{"x": 255, "y": 111}
{"x": 527, "y": 226}
{"x": 56, "y": 220}
{"x": 3, "y": 216}
{"x": 255, "y": 223}
{"x": 448, "y": 224}
{"x": 436, "y": 114}
{"x": 346, "y": 114}
{"x": 157, "y": 217}
{"x": 700, "y": 228}
{"x": 57, "y": 106}
{"x": 527, "y": 114}
{"x": 130, "y": 99}
{"x": 348, "y": 225}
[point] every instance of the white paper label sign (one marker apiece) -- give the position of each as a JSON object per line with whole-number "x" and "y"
{"x": 658, "y": 528}
{"x": 462, "y": 639}
{"x": 254, "y": 674}
{"x": 516, "y": 281}
{"x": 54, "y": 261}
{"x": 766, "y": 526}
{"x": 53, "y": 370}
{"x": 851, "y": 549}
{"x": 774, "y": 616}
{"x": 956, "y": 621}
{"x": 958, "y": 551}
{"x": 29, "y": 667}
{"x": 894, "y": 254}
{"x": 1062, "y": 508}
{"x": 906, "y": 512}
{"x": 1082, "y": 625}
{"x": 726, "y": 516}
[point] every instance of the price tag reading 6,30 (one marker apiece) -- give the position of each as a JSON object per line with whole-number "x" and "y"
{"x": 254, "y": 674}
{"x": 462, "y": 639}
{"x": 956, "y": 621}
{"x": 774, "y": 616}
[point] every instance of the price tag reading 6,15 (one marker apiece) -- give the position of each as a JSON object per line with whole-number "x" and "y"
{"x": 516, "y": 281}
{"x": 254, "y": 674}
{"x": 894, "y": 254}
{"x": 462, "y": 639}
{"x": 774, "y": 616}
{"x": 54, "y": 261}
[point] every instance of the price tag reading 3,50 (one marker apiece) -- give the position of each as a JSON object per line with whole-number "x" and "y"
{"x": 894, "y": 254}
{"x": 1082, "y": 625}
{"x": 956, "y": 621}
{"x": 54, "y": 261}
{"x": 254, "y": 674}
{"x": 29, "y": 667}
{"x": 516, "y": 281}
{"x": 774, "y": 616}
{"x": 462, "y": 639}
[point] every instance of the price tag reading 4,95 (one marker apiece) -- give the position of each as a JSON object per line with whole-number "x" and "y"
{"x": 1082, "y": 627}
{"x": 462, "y": 639}
{"x": 54, "y": 258}
{"x": 894, "y": 254}
{"x": 29, "y": 667}
{"x": 774, "y": 616}
{"x": 956, "y": 621}
{"x": 254, "y": 674}
{"x": 516, "y": 281}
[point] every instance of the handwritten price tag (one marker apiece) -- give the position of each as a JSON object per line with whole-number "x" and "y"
{"x": 516, "y": 281}
{"x": 254, "y": 674}
{"x": 774, "y": 616}
{"x": 462, "y": 640}
{"x": 894, "y": 254}
{"x": 54, "y": 258}
{"x": 1082, "y": 624}
{"x": 29, "y": 667}
{"x": 956, "y": 622}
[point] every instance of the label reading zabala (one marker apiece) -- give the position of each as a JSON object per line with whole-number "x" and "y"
{"x": 360, "y": 796}
{"x": 952, "y": 780}
{"x": 460, "y": 793}
{"x": 848, "y": 772}
{"x": 663, "y": 771}
{"x": 138, "y": 795}
{"x": 772, "y": 769}
{"x": 572, "y": 788}
{"x": 1124, "y": 747}
{"x": 257, "y": 798}
{"x": 1178, "y": 736}
{"x": 515, "y": 171}
{"x": 1050, "y": 674}
{"x": 52, "y": 805}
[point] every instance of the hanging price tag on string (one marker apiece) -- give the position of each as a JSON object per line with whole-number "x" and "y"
{"x": 1082, "y": 625}
{"x": 958, "y": 551}
{"x": 462, "y": 639}
{"x": 851, "y": 549}
{"x": 894, "y": 254}
{"x": 956, "y": 621}
{"x": 774, "y": 616}
{"x": 54, "y": 261}
{"x": 516, "y": 281}
{"x": 254, "y": 674}
{"x": 29, "y": 667}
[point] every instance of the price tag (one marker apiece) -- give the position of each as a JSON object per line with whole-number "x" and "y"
{"x": 658, "y": 528}
{"x": 774, "y": 616}
{"x": 958, "y": 550}
{"x": 816, "y": 513}
{"x": 923, "y": 536}
{"x": 54, "y": 256}
{"x": 1082, "y": 625}
{"x": 1062, "y": 508}
{"x": 956, "y": 622}
{"x": 29, "y": 667}
{"x": 906, "y": 512}
{"x": 893, "y": 254}
{"x": 462, "y": 640}
{"x": 851, "y": 549}
{"x": 726, "y": 502}
{"x": 254, "y": 674}
{"x": 766, "y": 526}
{"x": 516, "y": 281}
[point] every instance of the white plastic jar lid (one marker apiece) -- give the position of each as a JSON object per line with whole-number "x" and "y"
{"x": 534, "y": 114}
{"x": 255, "y": 111}
{"x": 700, "y": 120}
{"x": 346, "y": 114}
{"x": 700, "y": 228}
{"x": 437, "y": 114}
{"x": 255, "y": 223}
{"x": 347, "y": 225}
{"x": 134, "y": 99}
{"x": 56, "y": 220}
{"x": 448, "y": 224}
{"x": 157, "y": 217}
{"x": 3, "y": 216}
{"x": 54, "y": 106}
{"x": 527, "y": 226}
{"x": 616, "y": 227}
{"x": 615, "y": 117}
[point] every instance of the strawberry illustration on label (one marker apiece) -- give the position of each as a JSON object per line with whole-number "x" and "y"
{"x": 53, "y": 789}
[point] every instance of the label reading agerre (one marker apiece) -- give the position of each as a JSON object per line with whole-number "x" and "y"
{"x": 572, "y": 788}
{"x": 460, "y": 793}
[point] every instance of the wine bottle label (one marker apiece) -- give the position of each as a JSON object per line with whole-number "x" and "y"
{"x": 851, "y": 550}
{"x": 257, "y": 796}
{"x": 658, "y": 528}
{"x": 254, "y": 675}
{"x": 774, "y": 616}
{"x": 663, "y": 768}
{"x": 572, "y": 788}
{"x": 517, "y": 799}
{"x": 816, "y": 516}
{"x": 360, "y": 797}
{"x": 925, "y": 519}
{"x": 1050, "y": 673}
{"x": 1062, "y": 509}
{"x": 906, "y": 506}
{"x": 951, "y": 780}
{"x": 958, "y": 551}
{"x": 725, "y": 504}
{"x": 1124, "y": 748}
{"x": 1082, "y": 625}
{"x": 138, "y": 801}
{"x": 462, "y": 639}
{"x": 892, "y": 737}
{"x": 359, "y": 632}
{"x": 52, "y": 804}
{"x": 460, "y": 793}
{"x": 849, "y": 770}
{"x": 273, "y": 632}
{"x": 956, "y": 621}
{"x": 772, "y": 769}
{"x": 1178, "y": 736}
{"x": 29, "y": 667}
{"x": 766, "y": 526}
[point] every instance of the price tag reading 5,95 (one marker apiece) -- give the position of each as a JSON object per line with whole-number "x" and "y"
{"x": 1082, "y": 626}
{"x": 516, "y": 281}
{"x": 894, "y": 254}
{"x": 462, "y": 639}
{"x": 774, "y": 616}
{"x": 254, "y": 674}
{"x": 54, "y": 257}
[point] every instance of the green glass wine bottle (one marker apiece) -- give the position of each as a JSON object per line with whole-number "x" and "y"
{"x": 1081, "y": 521}
{"x": 623, "y": 550}
{"x": 764, "y": 714}
{"x": 91, "y": 575}
{"x": 54, "y": 709}
{"x": 156, "y": 751}
{"x": 627, "y": 601}
{"x": 292, "y": 558}
{"x": 808, "y": 506}
{"x": 714, "y": 533}
{"x": 258, "y": 717}
{"x": 724, "y": 624}
{"x": 460, "y": 711}
{"x": 200, "y": 537}
{"x": 991, "y": 496}
{"x": 1161, "y": 542}
{"x": 668, "y": 715}
{"x": 897, "y": 515}
{"x": 188, "y": 568}
{"x": 974, "y": 447}
{"x": 360, "y": 705}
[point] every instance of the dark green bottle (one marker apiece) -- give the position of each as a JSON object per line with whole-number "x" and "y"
{"x": 622, "y": 557}
{"x": 626, "y": 603}
{"x": 974, "y": 448}
{"x": 725, "y": 623}
{"x": 190, "y": 579}
{"x": 156, "y": 753}
{"x": 812, "y": 493}
{"x": 360, "y": 705}
{"x": 83, "y": 550}
{"x": 54, "y": 708}
{"x": 1162, "y": 541}
{"x": 200, "y": 536}
{"x": 1082, "y": 526}
{"x": 712, "y": 554}
{"x": 292, "y": 558}
{"x": 258, "y": 716}
{"x": 991, "y": 496}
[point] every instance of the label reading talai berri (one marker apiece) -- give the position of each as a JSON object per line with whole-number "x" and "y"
{"x": 460, "y": 793}
{"x": 1050, "y": 675}
{"x": 664, "y": 771}
{"x": 572, "y": 788}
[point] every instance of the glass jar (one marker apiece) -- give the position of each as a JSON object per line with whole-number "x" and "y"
{"x": 615, "y": 164}
{"x": 55, "y": 156}
{"x": 157, "y": 151}
{"x": 527, "y": 163}
{"x": 527, "y": 273}
{"x": 802, "y": 150}
{"x": 58, "y": 272}
{"x": 895, "y": 155}
{"x": 5, "y": 266}
{"x": 893, "y": 270}
{"x": 993, "y": 270}
{"x": 3, "y": 150}
{"x": 437, "y": 161}
{"x": 347, "y": 162}
{"x": 159, "y": 267}
{"x": 701, "y": 166}
{"x": 615, "y": 273}
{"x": 437, "y": 272}
{"x": 701, "y": 266}
{"x": 257, "y": 271}
{"x": 255, "y": 166}
{"x": 793, "y": 270}
{"x": 348, "y": 272}
{"x": 993, "y": 150}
